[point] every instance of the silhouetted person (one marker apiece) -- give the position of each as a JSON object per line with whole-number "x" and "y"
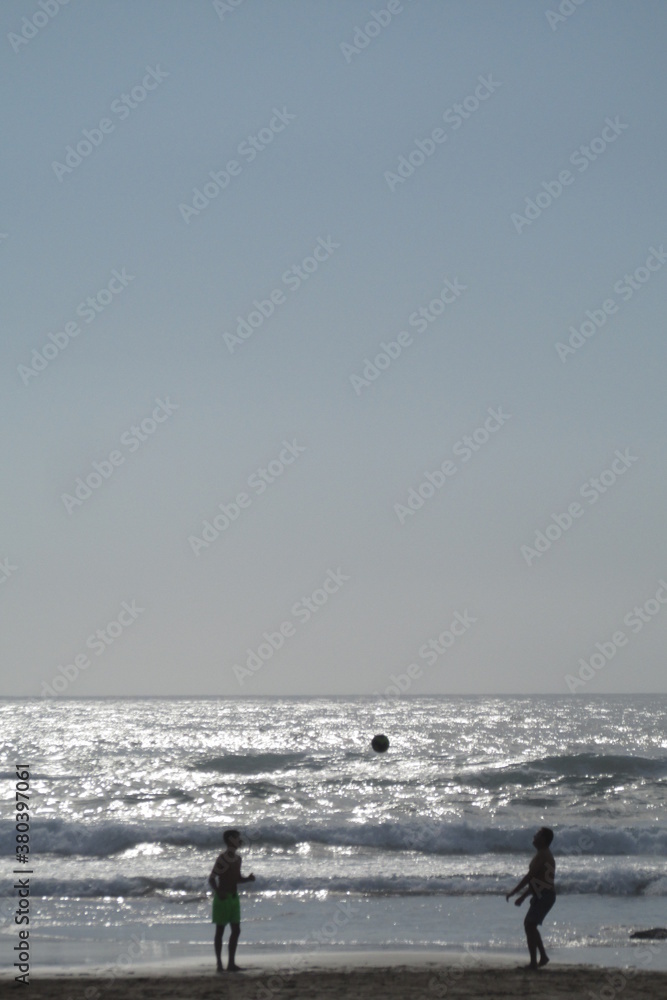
{"x": 540, "y": 883}
{"x": 224, "y": 878}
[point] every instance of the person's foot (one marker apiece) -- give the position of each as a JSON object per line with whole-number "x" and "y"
{"x": 220, "y": 969}
{"x": 544, "y": 960}
{"x": 234, "y": 968}
{"x": 532, "y": 966}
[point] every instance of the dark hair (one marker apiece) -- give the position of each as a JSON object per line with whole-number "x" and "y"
{"x": 547, "y": 834}
{"x": 228, "y": 834}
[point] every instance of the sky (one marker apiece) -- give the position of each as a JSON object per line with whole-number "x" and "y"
{"x": 333, "y": 347}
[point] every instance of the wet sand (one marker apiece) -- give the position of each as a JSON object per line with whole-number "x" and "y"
{"x": 426, "y": 979}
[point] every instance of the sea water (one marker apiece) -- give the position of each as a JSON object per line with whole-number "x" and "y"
{"x": 351, "y": 849}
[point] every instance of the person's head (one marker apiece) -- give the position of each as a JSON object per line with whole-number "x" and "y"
{"x": 543, "y": 838}
{"x": 232, "y": 839}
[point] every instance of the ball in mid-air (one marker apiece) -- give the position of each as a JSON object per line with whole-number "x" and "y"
{"x": 380, "y": 743}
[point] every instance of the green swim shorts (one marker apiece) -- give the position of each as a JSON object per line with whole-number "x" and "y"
{"x": 226, "y": 910}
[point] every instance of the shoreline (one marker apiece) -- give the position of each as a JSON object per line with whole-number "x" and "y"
{"x": 160, "y": 958}
{"x": 200, "y": 961}
{"x": 260, "y": 963}
{"x": 357, "y": 977}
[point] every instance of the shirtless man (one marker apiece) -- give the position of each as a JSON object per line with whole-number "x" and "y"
{"x": 540, "y": 883}
{"x": 224, "y": 878}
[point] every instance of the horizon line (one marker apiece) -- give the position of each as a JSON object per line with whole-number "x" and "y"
{"x": 370, "y": 697}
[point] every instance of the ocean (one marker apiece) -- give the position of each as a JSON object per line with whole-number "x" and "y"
{"x": 351, "y": 849}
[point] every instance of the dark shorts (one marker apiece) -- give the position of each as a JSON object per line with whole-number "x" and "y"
{"x": 539, "y": 908}
{"x": 226, "y": 910}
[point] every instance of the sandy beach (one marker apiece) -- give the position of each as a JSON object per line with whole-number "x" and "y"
{"x": 425, "y": 980}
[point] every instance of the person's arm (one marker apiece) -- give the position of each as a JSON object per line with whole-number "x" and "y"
{"x": 245, "y": 878}
{"x": 519, "y": 886}
{"x": 215, "y": 876}
{"x": 242, "y": 878}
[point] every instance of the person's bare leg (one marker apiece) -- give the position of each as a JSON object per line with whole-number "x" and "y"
{"x": 532, "y": 937}
{"x": 217, "y": 944}
{"x": 233, "y": 941}
{"x": 544, "y": 958}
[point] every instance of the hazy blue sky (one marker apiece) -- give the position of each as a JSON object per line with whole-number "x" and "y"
{"x": 540, "y": 190}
